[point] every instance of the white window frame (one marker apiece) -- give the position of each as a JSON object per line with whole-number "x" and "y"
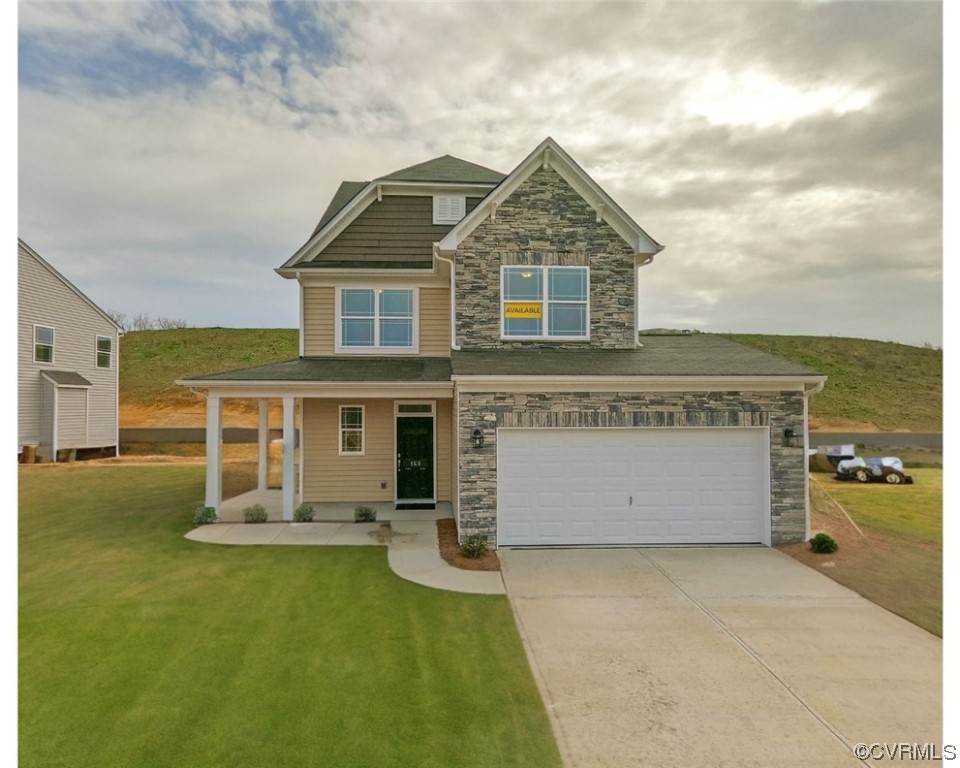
{"x": 341, "y": 429}
{"x": 376, "y": 349}
{"x": 52, "y": 344}
{"x": 545, "y": 302}
{"x": 456, "y": 208}
{"x": 97, "y": 352}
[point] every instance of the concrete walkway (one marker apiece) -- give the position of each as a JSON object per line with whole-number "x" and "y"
{"x": 723, "y": 656}
{"x": 412, "y": 548}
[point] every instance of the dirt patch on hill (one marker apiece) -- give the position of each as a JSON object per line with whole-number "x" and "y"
{"x": 236, "y": 413}
{"x": 450, "y": 550}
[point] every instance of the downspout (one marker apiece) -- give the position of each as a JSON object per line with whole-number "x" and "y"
{"x": 453, "y": 297}
{"x": 818, "y": 387}
{"x": 636, "y": 296}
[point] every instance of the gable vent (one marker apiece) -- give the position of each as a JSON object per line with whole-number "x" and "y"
{"x": 449, "y": 209}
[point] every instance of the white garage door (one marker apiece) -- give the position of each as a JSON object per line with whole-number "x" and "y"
{"x": 632, "y": 486}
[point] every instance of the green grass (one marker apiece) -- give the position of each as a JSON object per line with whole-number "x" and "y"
{"x": 140, "y": 648}
{"x": 899, "y": 565}
{"x": 892, "y": 386}
{"x": 909, "y": 511}
{"x": 150, "y": 361}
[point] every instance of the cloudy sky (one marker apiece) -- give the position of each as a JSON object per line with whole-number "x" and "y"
{"x": 789, "y": 156}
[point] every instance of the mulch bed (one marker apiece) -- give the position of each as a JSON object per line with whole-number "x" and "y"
{"x": 450, "y": 550}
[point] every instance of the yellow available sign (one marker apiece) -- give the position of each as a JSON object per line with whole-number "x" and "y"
{"x": 521, "y": 310}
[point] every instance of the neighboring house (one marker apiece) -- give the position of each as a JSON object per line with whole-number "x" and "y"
{"x": 469, "y": 337}
{"x": 68, "y": 358}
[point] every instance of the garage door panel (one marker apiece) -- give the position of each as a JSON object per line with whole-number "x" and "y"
{"x": 631, "y": 486}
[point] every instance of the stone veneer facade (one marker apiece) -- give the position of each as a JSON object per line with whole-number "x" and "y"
{"x": 477, "y": 508}
{"x": 545, "y": 222}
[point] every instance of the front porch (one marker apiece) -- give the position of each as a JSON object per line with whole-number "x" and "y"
{"x": 231, "y": 510}
{"x": 379, "y": 429}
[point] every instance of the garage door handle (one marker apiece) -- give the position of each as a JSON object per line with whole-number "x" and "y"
{"x": 631, "y": 501}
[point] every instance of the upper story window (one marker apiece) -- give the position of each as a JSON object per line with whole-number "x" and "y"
{"x": 545, "y": 302}
{"x": 380, "y": 319}
{"x": 43, "y": 344}
{"x": 449, "y": 209}
{"x": 104, "y": 352}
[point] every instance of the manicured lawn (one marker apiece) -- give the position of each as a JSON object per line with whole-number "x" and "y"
{"x": 898, "y": 564}
{"x": 140, "y": 648}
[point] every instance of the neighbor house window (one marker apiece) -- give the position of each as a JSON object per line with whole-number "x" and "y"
{"x": 545, "y": 302}
{"x": 351, "y": 429}
{"x": 449, "y": 209}
{"x": 104, "y": 352}
{"x": 379, "y": 319}
{"x": 42, "y": 344}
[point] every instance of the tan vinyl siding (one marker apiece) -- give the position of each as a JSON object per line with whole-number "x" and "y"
{"x": 444, "y": 451}
{"x": 435, "y": 322}
{"x": 397, "y": 228}
{"x": 71, "y": 418}
{"x": 44, "y": 299}
{"x": 330, "y": 477}
{"x": 318, "y": 321}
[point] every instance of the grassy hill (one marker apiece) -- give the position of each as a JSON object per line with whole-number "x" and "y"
{"x": 150, "y": 361}
{"x": 886, "y": 385}
{"x": 890, "y": 386}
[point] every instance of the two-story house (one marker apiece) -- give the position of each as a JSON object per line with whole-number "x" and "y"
{"x": 67, "y": 364}
{"x": 470, "y": 338}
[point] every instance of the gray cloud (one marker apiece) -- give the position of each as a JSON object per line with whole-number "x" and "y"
{"x": 788, "y": 155}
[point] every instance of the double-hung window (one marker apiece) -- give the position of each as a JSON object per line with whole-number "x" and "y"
{"x": 381, "y": 319}
{"x": 43, "y": 344}
{"x": 104, "y": 352}
{"x": 351, "y": 430}
{"x": 545, "y": 302}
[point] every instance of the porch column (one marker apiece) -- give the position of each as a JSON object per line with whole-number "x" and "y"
{"x": 214, "y": 442}
{"x": 263, "y": 441}
{"x": 289, "y": 490}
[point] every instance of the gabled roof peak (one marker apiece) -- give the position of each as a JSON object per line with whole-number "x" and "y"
{"x": 446, "y": 169}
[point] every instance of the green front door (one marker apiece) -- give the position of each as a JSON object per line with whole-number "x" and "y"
{"x": 414, "y": 457}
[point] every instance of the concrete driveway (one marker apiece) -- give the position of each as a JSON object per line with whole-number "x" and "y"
{"x": 717, "y": 656}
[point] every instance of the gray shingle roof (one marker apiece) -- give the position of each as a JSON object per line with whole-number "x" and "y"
{"x": 397, "y": 263}
{"x": 343, "y": 368}
{"x": 67, "y": 378}
{"x": 696, "y": 355}
{"x": 344, "y": 194}
{"x": 446, "y": 169}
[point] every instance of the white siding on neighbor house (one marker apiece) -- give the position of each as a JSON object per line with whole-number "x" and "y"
{"x": 71, "y": 418}
{"x": 44, "y": 299}
{"x": 47, "y": 393}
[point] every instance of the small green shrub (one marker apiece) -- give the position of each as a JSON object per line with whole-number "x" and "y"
{"x": 364, "y": 515}
{"x": 824, "y": 544}
{"x": 255, "y": 514}
{"x": 205, "y": 516}
{"x": 303, "y": 514}
{"x": 474, "y": 546}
